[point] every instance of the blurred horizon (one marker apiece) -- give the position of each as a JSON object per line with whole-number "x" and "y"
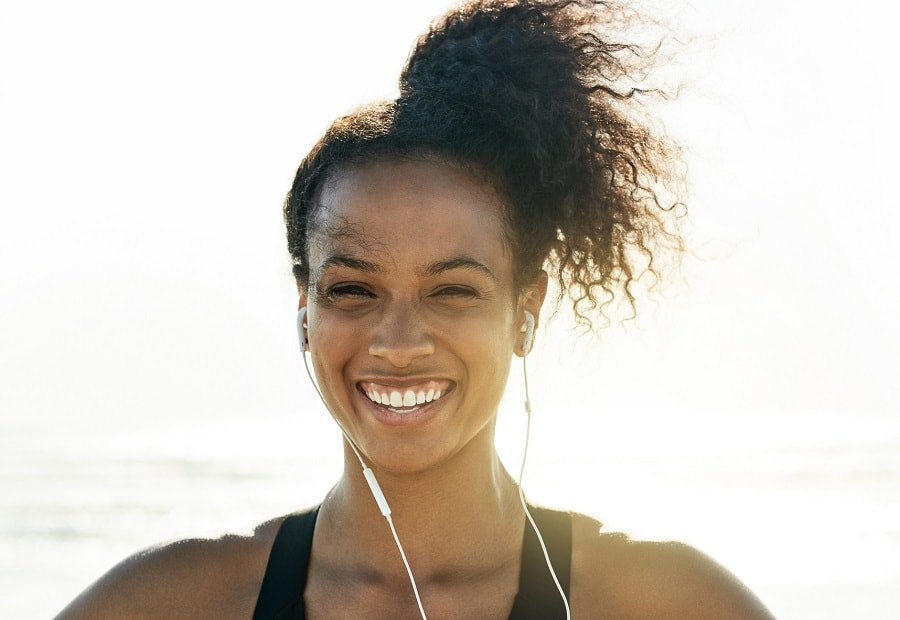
{"x": 807, "y": 517}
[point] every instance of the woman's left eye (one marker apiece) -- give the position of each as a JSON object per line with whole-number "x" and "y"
{"x": 456, "y": 292}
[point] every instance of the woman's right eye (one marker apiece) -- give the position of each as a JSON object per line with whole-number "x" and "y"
{"x": 349, "y": 290}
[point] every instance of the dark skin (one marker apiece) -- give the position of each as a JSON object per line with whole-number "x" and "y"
{"x": 612, "y": 577}
{"x": 392, "y": 306}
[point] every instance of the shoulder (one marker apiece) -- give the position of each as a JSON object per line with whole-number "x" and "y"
{"x": 198, "y": 578}
{"x": 654, "y": 580}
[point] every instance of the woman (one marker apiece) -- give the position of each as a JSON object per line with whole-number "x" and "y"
{"x": 424, "y": 232}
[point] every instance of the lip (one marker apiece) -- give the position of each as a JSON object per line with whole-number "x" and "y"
{"x": 419, "y": 415}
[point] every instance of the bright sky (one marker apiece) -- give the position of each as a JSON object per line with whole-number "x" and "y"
{"x": 145, "y": 150}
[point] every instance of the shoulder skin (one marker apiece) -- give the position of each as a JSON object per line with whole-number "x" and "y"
{"x": 612, "y": 577}
{"x": 616, "y": 577}
{"x": 202, "y": 578}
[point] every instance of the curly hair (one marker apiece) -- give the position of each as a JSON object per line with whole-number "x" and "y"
{"x": 532, "y": 97}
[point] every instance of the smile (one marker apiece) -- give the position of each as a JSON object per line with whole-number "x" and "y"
{"x": 407, "y": 398}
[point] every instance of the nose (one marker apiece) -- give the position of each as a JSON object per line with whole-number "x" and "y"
{"x": 401, "y": 337}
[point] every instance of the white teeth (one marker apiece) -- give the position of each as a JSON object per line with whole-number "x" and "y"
{"x": 407, "y": 398}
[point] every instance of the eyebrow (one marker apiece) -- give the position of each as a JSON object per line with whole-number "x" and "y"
{"x": 457, "y": 262}
{"x": 432, "y": 269}
{"x": 351, "y": 262}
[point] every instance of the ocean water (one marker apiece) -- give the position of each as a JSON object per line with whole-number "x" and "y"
{"x": 804, "y": 509}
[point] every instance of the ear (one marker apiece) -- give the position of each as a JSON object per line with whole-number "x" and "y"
{"x": 301, "y": 290}
{"x": 531, "y": 299}
{"x": 302, "y": 324}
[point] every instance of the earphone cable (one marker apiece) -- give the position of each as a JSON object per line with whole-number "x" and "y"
{"x": 328, "y": 409}
{"x": 409, "y": 572}
{"x": 373, "y": 485}
{"x": 534, "y": 526}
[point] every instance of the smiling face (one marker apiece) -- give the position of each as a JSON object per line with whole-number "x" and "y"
{"x": 413, "y": 310}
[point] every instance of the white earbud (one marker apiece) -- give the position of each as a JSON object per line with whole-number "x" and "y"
{"x": 528, "y": 328}
{"x": 301, "y": 316}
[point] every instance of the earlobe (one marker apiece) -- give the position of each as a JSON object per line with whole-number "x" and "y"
{"x": 528, "y": 328}
{"x": 302, "y": 327}
{"x": 302, "y": 322}
{"x": 530, "y": 301}
{"x": 527, "y": 334}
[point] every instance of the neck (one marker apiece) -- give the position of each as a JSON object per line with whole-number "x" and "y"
{"x": 457, "y": 516}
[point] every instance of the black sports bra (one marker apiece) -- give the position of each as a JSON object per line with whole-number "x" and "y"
{"x": 281, "y": 595}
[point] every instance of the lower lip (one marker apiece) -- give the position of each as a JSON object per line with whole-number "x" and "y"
{"x": 420, "y": 415}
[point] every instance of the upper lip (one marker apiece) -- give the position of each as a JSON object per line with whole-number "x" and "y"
{"x": 397, "y": 378}
{"x": 418, "y": 389}
{"x": 407, "y": 383}
{"x": 404, "y": 382}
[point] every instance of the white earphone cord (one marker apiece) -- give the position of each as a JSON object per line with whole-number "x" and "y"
{"x": 534, "y": 526}
{"x": 369, "y": 475}
{"x": 374, "y": 487}
{"x": 382, "y": 501}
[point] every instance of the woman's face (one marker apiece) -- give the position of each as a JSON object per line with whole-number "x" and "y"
{"x": 412, "y": 309}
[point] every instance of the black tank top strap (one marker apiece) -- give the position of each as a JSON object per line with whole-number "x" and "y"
{"x": 538, "y": 598}
{"x": 281, "y": 594}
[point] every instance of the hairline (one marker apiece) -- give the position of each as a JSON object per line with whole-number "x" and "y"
{"x": 479, "y": 172}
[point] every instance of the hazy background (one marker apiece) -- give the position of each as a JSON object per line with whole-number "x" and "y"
{"x": 150, "y": 383}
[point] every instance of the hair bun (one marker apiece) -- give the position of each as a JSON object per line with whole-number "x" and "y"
{"x": 534, "y": 98}
{"x": 506, "y": 69}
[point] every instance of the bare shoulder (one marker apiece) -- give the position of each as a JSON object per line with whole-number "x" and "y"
{"x": 625, "y": 578}
{"x": 199, "y": 578}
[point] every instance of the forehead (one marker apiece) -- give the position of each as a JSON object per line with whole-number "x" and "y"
{"x": 400, "y": 214}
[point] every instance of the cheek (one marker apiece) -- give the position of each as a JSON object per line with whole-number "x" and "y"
{"x": 500, "y": 334}
{"x": 491, "y": 352}
{"x": 330, "y": 348}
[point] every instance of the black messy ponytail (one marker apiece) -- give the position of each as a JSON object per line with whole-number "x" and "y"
{"x": 534, "y": 97}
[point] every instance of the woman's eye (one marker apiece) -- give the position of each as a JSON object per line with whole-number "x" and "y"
{"x": 462, "y": 292}
{"x": 349, "y": 290}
